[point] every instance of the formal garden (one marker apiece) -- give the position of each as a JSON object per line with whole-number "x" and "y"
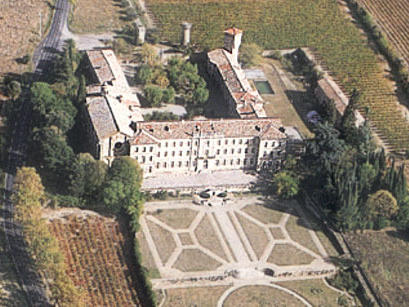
{"x": 192, "y": 245}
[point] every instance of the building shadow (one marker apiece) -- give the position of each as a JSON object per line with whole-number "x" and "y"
{"x": 303, "y": 102}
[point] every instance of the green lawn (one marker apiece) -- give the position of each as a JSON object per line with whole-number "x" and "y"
{"x": 280, "y": 24}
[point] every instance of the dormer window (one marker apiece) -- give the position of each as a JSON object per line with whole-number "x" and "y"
{"x": 257, "y": 128}
{"x": 167, "y": 128}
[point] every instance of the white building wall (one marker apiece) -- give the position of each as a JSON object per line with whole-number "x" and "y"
{"x": 207, "y": 153}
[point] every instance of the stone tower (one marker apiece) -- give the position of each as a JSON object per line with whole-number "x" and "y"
{"x": 140, "y": 36}
{"x": 186, "y": 33}
{"x": 232, "y": 41}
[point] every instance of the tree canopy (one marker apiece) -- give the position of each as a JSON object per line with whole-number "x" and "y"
{"x": 382, "y": 203}
{"x": 42, "y": 246}
{"x": 121, "y": 189}
{"x": 285, "y": 184}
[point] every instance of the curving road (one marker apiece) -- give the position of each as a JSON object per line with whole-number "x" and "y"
{"x": 29, "y": 279}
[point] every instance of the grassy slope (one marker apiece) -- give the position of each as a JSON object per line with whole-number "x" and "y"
{"x": 19, "y": 28}
{"x": 97, "y": 16}
{"x": 10, "y": 292}
{"x": 385, "y": 257}
{"x": 278, "y": 24}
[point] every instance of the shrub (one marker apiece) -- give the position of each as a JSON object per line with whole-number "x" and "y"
{"x": 381, "y": 205}
{"x": 161, "y": 195}
{"x": 204, "y": 194}
{"x": 285, "y": 184}
{"x": 124, "y": 3}
{"x": 153, "y": 95}
{"x": 251, "y": 55}
{"x": 144, "y": 74}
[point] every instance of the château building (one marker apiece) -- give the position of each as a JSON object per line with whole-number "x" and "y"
{"x": 248, "y": 140}
{"x": 208, "y": 145}
{"x": 223, "y": 67}
{"x": 111, "y": 108}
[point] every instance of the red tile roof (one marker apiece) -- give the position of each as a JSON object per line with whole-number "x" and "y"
{"x": 233, "y": 31}
{"x": 100, "y": 66}
{"x": 234, "y": 80}
{"x": 266, "y": 128}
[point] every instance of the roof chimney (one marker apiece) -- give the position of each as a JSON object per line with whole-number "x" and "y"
{"x": 232, "y": 41}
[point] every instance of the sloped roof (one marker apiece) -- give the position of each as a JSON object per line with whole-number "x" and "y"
{"x": 230, "y": 128}
{"x": 101, "y": 117}
{"x": 233, "y": 31}
{"x": 237, "y": 84}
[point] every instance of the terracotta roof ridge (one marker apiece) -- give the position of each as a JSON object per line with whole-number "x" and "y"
{"x": 143, "y": 131}
{"x": 108, "y": 64}
{"x": 112, "y": 113}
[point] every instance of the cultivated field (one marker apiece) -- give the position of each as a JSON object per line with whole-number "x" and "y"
{"x": 392, "y": 16}
{"x": 385, "y": 258}
{"x": 96, "y": 16}
{"x": 321, "y": 25}
{"x": 98, "y": 258}
{"x": 196, "y": 254}
{"x": 19, "y": 31}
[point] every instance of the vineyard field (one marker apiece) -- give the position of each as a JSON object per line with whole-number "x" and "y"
{"x": 97, "y": 258}
{"x": 340, "y": 47}
{"x": 392, "y": 16}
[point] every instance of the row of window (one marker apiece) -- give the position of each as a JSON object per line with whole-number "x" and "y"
{"x": 219, "y": 142}
{"x": 218, "y": 152}
{"x": 238, "y": 162}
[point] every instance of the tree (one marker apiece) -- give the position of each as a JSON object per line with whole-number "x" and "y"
{"x": 326, "y": 149}
{"x": 285, "y": 184}
{"x": 121, "y": 189}
{"x": 329, "y": 112}
{"x": 200, "y": 95}
{"x": 43, "y": 247}
{"x": 169, "y": 95}
{"x": 348, "y": 127}
{"x": 14, "y": 89}
{"x": 348, "y": 214}
{"x": 381, "y": 204}
{"x": 53, "y": 152}
{"x": 29, "y": 194}
{"x": 149, "y": 55}
{"x": 144, "y": 74}
{"x": 250, "y": 55}
{"x": 49, "y": 109}
{"x": 153, "y": 95}
{"x": 160, "y": 116}
{"x": 82, "y": 90}
{"x": 162, "y": 80}
{"x": 367, "y": 176}
{"x": 87, "y": 177}
{"x": 113, "y": 195}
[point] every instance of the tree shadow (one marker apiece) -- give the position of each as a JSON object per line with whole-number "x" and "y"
{"x": 22, "y": 60}
{"x": 50, "y": 5}
{"x": 399, "y": 234}
{"x": 303, "y": 102}
{"x": 128, "y": 250}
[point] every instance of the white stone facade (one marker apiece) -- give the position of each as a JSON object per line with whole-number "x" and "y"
{"x": 206, "y": 150}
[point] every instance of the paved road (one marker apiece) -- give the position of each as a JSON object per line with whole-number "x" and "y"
{"x": 28, "y": 277}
